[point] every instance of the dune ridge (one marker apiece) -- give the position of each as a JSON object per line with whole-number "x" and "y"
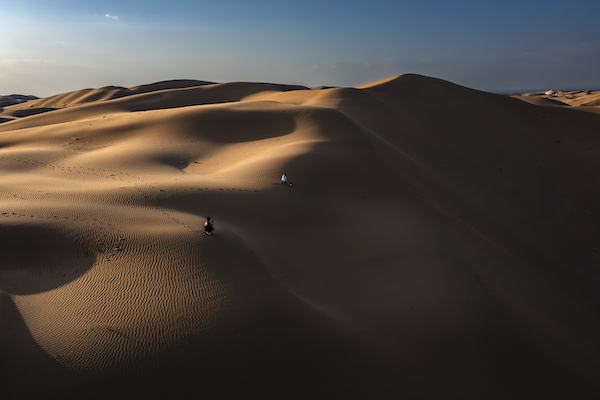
{"x": 586, "y": 100}
{"x": 437, "y": 242}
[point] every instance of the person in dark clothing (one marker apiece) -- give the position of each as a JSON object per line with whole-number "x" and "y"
{"x": 208, "y": 226}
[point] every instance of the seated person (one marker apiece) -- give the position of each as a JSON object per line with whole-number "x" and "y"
{"x": 208, "y": 226}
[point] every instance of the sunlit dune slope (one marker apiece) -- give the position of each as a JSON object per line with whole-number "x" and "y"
{"x": 83, "y": 96}
{"x": 585, "y": 100}
{"x": 435, "y": 242}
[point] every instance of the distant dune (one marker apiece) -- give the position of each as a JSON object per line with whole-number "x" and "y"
{"x": 577, "y": 98}
{"x": 15, "y": 99}
{"x": 437, "y": 242}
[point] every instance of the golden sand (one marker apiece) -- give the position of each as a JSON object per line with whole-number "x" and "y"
{"x": 437, "y": 243}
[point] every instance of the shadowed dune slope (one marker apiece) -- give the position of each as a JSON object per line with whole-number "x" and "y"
{"x": 15, "y": 99}
{"x": 435, "y": 242}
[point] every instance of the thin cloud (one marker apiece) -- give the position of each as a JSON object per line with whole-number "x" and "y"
{"x": 115, "y": 17}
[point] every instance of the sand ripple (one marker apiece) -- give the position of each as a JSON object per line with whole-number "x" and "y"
{"x": 436, "y": 242}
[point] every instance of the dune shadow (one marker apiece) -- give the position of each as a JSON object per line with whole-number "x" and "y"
{"x": 26, "y": 370}
{"x": 168, "y": 85}
{"x": 235, "y": 125}
{"x": 174, "y": 161}
{"x": 525, "y": 368}
{"x": 40, "y": 258}
{"x": 32, "y": 111}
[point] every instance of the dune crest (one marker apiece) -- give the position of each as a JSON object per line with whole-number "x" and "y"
{"x": 436, "y": 242}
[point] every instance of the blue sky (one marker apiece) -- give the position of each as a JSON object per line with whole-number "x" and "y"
{"x": 51, "y": 47}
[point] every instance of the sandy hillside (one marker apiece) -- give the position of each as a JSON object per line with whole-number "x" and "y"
{"x": 585, "y": 100}
{"x": 437, "y": 242}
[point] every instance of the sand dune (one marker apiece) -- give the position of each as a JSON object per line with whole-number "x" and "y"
{"x": 15, "y": 99}
{"x": 589, "y": 100}
{"x": 437, "y": 242}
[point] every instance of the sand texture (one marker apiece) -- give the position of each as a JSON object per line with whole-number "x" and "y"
{"x": 586, "y": 100}
{"x": 437, "y": 243}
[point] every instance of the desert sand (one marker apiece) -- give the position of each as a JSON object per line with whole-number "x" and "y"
{"x": 589, "y": 100}
{"x": 438, "y": 242}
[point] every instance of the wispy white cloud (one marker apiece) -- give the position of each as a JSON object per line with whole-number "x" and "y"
{"x": 115, "y": 17}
